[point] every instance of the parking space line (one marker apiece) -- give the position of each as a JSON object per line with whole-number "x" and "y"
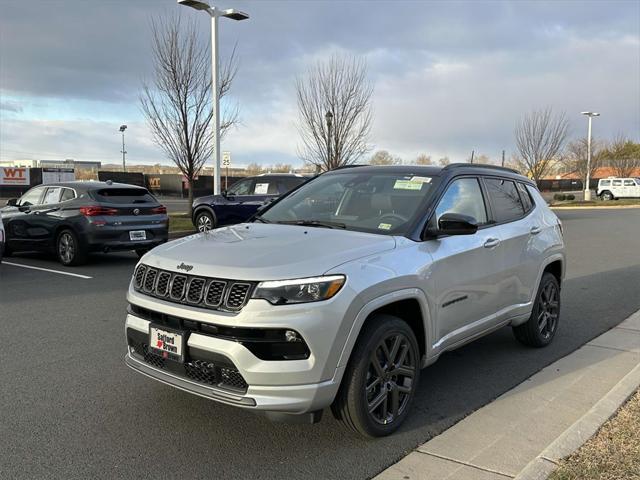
{"x": 47, "y": 270}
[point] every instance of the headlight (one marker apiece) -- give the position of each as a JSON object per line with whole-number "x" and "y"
{"x": 302, "y": 290}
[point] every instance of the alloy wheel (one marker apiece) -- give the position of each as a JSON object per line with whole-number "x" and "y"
{"x": 390, "y": 378}
{"x": 66, "y": 247}
{"x": 204, "y": 223}
{"x": 548, "y": 310}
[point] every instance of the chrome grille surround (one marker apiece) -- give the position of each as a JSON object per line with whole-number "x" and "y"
{"x": 209, "y": 293}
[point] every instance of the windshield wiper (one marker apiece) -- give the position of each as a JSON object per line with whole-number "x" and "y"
{"x": 313, "y": 223}
{"x": 260, "y": 219}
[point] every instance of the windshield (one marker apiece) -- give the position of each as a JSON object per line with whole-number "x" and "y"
{"x": 370, "y": 202}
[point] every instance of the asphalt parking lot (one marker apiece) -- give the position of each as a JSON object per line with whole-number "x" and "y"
{"x": 69, "y": 408}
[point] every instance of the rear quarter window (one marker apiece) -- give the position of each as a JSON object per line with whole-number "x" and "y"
{"x": 505, "y": 200}
{"x": 123, "y": 195}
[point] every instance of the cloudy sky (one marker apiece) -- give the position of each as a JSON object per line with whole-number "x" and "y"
{"x": 449, "y": 77}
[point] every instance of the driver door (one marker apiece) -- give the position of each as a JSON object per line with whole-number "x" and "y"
{"x": 466, "y": 270}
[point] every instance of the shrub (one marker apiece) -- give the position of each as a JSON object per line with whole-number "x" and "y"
{"x": 560, "y": 197}
{"x": 571, "y": 196}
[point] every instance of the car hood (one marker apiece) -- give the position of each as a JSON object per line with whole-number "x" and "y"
{"x": 255, "y": 251}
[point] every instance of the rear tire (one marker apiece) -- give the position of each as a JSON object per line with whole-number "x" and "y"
{"x": 69, "y": 251}
{"x": 381, "y": 378}
{"x": 205, "y": 221}
{"x": 542, "y": 326}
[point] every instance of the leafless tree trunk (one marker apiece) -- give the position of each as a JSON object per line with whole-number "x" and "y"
{"x": 540, "y": 136}
{"x": 177, "y": 104}
{"x": 623, "y": 156}
{"x": 575, "y": 158}
{"x": 339, "y": 86}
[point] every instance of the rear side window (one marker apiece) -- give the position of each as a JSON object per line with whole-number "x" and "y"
{"x": 123, "y": 195}
{"x": 67, "y": 194}
{"x": 505, "y": 201}
{"x": 617, "y": 183}
{"x": 525, "y": 197}
{"x": 287, "y": 184}
{"x": 465, "y": 197}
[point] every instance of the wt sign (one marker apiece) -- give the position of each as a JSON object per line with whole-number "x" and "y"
{"x": 14, "y": 176}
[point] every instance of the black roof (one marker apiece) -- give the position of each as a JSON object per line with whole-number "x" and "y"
{"x": 89, "y": 185}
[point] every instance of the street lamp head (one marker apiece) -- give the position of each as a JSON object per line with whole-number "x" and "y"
{"x": 329, "y": 117}
{"x": 198, "y": 5}
{"x": 590, "y": 114}
{"x": 235, "y": 14}
{"x": 123, "y": 128}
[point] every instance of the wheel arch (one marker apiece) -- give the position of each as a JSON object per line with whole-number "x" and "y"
{"x": 208, "y": 208}
{"x": 409, "y": 305}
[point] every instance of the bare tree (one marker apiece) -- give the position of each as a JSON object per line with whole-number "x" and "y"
{"x": 444, "y": 161}
{"x": 574, "y": 160}
{"x": 382, "y": 157}
{"x": 623, "y": 156}
{"x": 339, "y": 86}
{"x": 177, "y": 104}
{"x": 540, "y": 136}
{"x": 423, "y": 159}
{"x": 254, "y": 169}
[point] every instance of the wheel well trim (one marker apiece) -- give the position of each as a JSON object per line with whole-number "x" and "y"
{"x": 376, "y": 304}
{"x": 199, "y": 208}
{"x": 548, "y": 261}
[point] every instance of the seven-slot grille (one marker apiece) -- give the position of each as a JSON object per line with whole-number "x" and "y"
{"x": 209, "y": 293}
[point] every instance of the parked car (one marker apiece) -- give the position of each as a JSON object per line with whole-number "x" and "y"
{"x": 2, "y": 238}
{"x": 613, "y": 188}
{"x": 72, "y": 219}
{"x": 338, "y": 293}
{"x": 242, "y": 199}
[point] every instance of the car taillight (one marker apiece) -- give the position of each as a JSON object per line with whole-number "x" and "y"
{"x": 161, "y": 209}
{"x": 96, "y": 211}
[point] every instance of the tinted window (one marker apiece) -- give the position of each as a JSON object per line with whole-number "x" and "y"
{"x": 505, "y": 200}
{"x": 289, "y": 183}
{"x": 525, "y": 197}
{"x": 465, "y": 197}
{"x": 123, "y": 195}
{"x": 67, "y": 194}
{"x": 32, "y": 197}
{"x": 243, "y": 187}
{"x": 52, "y": 195}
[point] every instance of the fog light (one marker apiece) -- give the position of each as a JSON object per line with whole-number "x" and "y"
{"x": 292, "y": 336}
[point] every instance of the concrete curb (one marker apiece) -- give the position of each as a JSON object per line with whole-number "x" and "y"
{"x": 582, "y": 430}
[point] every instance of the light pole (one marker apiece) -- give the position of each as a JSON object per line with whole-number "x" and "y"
{"x": 124, "y": 152}
{"x": 587, "y": 191}
{"x": 215, "y": 13}
{"x": 329, "y": 118}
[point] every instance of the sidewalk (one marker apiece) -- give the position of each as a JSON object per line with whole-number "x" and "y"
{"x": 523, "y": 432}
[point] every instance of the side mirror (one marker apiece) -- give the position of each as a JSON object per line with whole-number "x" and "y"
{"x": 12, "y": 202}
{"x": 457, "y": 224}
{"x": 224, "y": 193}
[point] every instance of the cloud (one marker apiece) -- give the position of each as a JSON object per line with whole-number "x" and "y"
{"x": 10, "y": 106}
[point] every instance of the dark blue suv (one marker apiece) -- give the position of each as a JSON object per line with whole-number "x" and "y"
{"x": 242, "y": 199}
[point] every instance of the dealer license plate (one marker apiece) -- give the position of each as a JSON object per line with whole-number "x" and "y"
{"x": 137, "y": 235}
{"x": 166, "y": 343}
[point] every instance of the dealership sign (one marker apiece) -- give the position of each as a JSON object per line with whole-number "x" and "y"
{"x": 14, "y": 176}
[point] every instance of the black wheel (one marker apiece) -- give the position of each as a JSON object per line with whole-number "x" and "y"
{"x": 141, "y": 252}
{"x": 68, "y": 249}
{"x": 607, "y": 196}
{"x": 381, "y": 379}
{"x": 541, "y": 327}
{"x": 204, "y": 221}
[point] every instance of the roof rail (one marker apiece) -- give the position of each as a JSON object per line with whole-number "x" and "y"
{"x": 480, "y": 165}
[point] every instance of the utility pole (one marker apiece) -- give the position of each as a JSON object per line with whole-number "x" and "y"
{"x": 587, "y": 191}
{"x": 472, "y": 154}
{"x": 124, "y": 152}
{"x": 503, "y": 158}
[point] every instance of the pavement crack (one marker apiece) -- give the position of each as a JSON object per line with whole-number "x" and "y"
{"x": 467, "y": 464}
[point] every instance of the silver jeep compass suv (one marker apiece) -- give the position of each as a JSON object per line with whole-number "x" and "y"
{"x": 341, "y": 291}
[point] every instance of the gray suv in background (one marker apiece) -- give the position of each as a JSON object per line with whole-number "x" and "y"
{"x": 340, "y": 292}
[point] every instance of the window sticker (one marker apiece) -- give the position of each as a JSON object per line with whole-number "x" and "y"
{"x": 261, "y": 188}
{"x": 407, "y": 185}
{"x": 421, "y": 179}
{"x": 384, "y": 226}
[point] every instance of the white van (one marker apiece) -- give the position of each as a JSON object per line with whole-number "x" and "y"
{"x": 613, "y": 188}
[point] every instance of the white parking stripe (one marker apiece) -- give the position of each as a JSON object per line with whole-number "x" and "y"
{"x": 46, "y": 270}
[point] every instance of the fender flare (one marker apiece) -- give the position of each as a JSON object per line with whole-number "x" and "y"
{"x": 377, "y": 303}
{"x": 206, "y": 207}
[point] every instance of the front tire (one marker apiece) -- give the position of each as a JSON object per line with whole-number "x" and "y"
{"x": 606, "y": 196}
{"x": 69, "y": 251}
{"x": 205, "y": 221}
{"x": 542, "y": 326}
{"x": 381, "y": 378}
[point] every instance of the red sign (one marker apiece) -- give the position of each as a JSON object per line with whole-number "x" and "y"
{"x": 14, "y": 176}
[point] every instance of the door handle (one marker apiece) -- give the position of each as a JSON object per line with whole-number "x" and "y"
{"x": 535, "y": 230}
{"x": 491, "y": 242}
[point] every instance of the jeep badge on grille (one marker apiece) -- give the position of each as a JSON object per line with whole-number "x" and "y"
{"x": 185, "y": 267}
